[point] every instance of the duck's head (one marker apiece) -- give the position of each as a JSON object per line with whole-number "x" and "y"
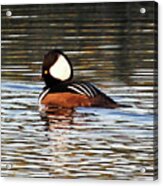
{"x": 56, "y": 68}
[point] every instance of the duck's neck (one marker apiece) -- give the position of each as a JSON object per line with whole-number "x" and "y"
{"x": 55, "y": 83}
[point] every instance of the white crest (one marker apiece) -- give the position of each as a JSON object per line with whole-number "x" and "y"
{"x": 61, "y": 69}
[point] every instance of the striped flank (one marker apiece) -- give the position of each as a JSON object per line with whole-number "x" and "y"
{"x": 84, "y": 89}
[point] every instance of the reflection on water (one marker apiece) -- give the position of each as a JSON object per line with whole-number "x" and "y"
{"x": 41, "y": 141}
{"x": 84, "y": 142}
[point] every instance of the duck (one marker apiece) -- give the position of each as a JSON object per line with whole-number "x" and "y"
{"x": 61, "y": 90}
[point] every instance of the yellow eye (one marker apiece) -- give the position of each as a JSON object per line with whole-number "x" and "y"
{"x": 45, "y": 72}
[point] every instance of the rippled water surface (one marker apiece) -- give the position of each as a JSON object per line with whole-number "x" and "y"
{"x": 111, "y": 46}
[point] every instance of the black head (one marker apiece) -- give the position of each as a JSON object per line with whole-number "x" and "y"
{"x": 56, "y": 68}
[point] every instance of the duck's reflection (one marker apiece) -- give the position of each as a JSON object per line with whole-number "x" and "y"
{"x": 57, "y": 118}
{"x": 63, "y": 130}
{"x": 65, "y": 118}
{"x": 58, "y": 123}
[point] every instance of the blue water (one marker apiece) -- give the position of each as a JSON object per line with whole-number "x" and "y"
{"x": 79, "y": 143}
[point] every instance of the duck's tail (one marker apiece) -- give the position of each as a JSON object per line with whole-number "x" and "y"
{"x": 124, "y": 106}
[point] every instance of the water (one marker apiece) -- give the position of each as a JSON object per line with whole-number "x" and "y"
{"x": 82, "y": 142}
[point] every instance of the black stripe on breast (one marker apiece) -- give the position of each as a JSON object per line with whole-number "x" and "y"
{"x": 43, "y": 94}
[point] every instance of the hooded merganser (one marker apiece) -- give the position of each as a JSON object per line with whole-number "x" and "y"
{"x": 62, "y": 91}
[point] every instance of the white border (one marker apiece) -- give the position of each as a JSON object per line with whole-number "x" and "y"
{"x": 47, "y": 182}
{"x": 5, "y": 2}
